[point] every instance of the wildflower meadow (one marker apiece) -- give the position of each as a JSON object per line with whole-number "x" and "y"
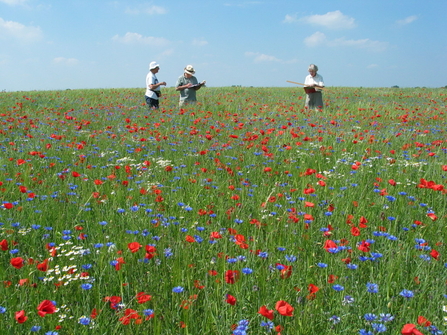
{"x": 243, "y": 214}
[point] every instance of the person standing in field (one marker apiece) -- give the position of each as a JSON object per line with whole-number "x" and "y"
{"x": 153, "y": 92}
{"x": 313, "y": 85}
{"x": 187, "y": 84}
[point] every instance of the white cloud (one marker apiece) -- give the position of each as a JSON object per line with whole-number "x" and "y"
{"x": 331, "y": 20}
{"x": 146, "y": 9}
{"x": 66, "y": 61}
{"x": 319, "y": 39}
{"x": 19, "y": 31}
{"x": 315, "y": 39}
{"x": 290, "y": 18}
{"x": 259, "y": 58}
{"x": 407, "y": 20}
{"x": 135, "y": 38}
{"x": 14, "y": 2}
{"x": 365, "y": 43}
{"x": 199, "y": 42}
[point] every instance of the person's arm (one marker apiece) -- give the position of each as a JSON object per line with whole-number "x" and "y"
{"x": 154, "y": 86}
{"x": 180, "y": 86}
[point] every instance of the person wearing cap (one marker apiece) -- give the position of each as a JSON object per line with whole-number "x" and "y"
{"x": 187, "y": 84}
{"x": 313, "y": 85}
{"x": 153, "y": 91}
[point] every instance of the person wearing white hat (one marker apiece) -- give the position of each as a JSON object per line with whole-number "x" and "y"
{"x": 153, "y": 91}
{"x": 187, "y": 84}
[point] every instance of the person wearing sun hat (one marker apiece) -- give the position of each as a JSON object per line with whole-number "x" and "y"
{"x": 153, "y": 91}
{"x": 187, "y": 84}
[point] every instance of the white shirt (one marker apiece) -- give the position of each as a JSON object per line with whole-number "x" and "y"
{"x": 151, "y": 79}
{"x": 311, "y": 81}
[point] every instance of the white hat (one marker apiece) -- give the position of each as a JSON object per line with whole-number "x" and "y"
{"x": 189, "y": 69}
{"x": 153, "y": 65}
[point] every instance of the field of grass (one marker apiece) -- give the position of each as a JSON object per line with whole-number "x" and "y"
{"x": 244, "y": 214}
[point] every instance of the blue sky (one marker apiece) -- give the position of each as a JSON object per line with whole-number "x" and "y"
{"x": 46, "y": 45}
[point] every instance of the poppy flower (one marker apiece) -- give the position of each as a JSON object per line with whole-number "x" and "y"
{"x": 134, "y": 246}
{"x": 232, "y": 276}
{"x": 42, "y": 266}
{"x": 284, "y": 308}
{"x": 435, "y": 254}
{"x": 410, "y": 329}
{"x": 17, "y": 262}
{"x": 264, "y": 311}
{"x": 231, "y": 300}
{"x": 4, "y": 245}
{"x": 46, "y": 307}
{"x": 143, "y": 297}
{"x": 20, "y": 316}
{"x": 422, "y": 321}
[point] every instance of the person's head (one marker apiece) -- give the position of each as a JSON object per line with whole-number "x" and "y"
{"x": 313, "y": 69}
{"x": 189, "y": 71}
{"x": 154, "y": 67}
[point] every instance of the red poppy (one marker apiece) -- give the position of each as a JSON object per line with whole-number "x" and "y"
{"x": 329, "y": 244}
{"x": 284, "y": 308}
{"x": 143, "y": 297}
{"x": 264, "y": 311}
{"x": 134, "y": 246}
{"x": 20, "y": 316}
{"x": 17, "y": 262}
{"x": 364, "y": 246}
{"x": 232, "y": 276}
{"x": 435, "y": 254}
{"x": 46, "y": 307}
{"x": 42, "y": 266}
{"x": 410, "y": 329}
{"x": 422, "y": 321}
{"x": 231, "y": 300}
{"x": 4, "y": 245}
{"x": 129, "y": 314}
{"x": 285, "y": 270}
{"x": 98, "y": 182}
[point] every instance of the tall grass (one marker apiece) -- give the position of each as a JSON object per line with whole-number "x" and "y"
{"x": 338, "y": 213}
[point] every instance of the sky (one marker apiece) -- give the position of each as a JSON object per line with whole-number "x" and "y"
{"x": 64, "y": 44}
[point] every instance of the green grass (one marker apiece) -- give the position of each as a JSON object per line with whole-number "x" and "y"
{"x": 86, "y": 172}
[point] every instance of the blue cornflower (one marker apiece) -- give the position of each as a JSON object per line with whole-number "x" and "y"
{"x": 386, "y": 317}
{"x": 352, "y": 266}
{"x": 322, "y": 265}
{"x": 370, "y": 317}
{"x": 372, "y": 288}
{"x": 379, "y": 327}
{"x": 365, "y": 332}
{"x": 178, "y": 289}
{"x": 86, "y": 286}
{"x": 83, "y": 320}
{"x": 35, "y": 328}
{"x": 231, "y": 260}
{"x": 103, "y": 223}
{"x": 290, "y": 258}
{"x": 406, "y": 294}
{"x": 334, "y": 319}
{"x": 247, "y": 271}
{"x": 338, "y": 288}
{"x": 347, "y": 300}
{"x": 268, "y": 324}
{"x": 2, "y": 310}
{"x": 263, "y": 254}
{"x": 168, "y": 252}
{"x": 148, "y": 312}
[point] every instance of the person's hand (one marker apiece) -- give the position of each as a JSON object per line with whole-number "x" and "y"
{"x": 188, "y": 85}
{"x": 163, "y": 83}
